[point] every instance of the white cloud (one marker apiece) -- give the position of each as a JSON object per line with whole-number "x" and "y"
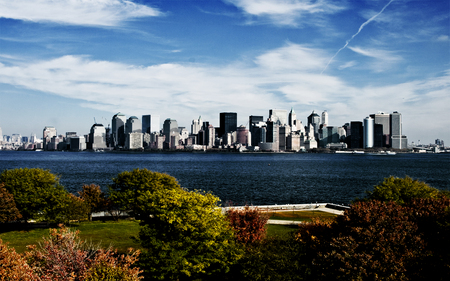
{"x": 280, "y": 78}
{"x": 285, "y": 12}
{"x": 76, "y": 12}
{"x": 347, "y": 65}
{"x": 382, "y": 59}
{"x": 443, "y": 38}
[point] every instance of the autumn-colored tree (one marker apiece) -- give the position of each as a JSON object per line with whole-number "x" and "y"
{"x": 402, "y": 190}
{"x": 13, "y": 266}
{"x": 8, "y": 209}
{"x": 248, "y": 223}
{"x": 94, "y": 197}
{"x": 37, "y": 193}
{"x": 372, "y": 240}
{"x": 64, "y": 256}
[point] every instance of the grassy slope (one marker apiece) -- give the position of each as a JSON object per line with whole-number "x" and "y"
{"x": 121, "y": 235}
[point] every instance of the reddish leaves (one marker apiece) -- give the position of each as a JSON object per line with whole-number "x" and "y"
{"x": 248, "y": 223}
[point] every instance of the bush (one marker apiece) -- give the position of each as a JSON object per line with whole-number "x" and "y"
{"x": 248, "y": 223}
{"x": 13, "y": 266}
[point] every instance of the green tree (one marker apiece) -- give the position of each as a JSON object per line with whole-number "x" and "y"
{"x": 37, "y": 193}
{"x": 8, "y": 209}
{"x": 186, "y": 235}
{"x": 402, "y": 190}
{"x": 76, "y": 209}
{"x": 129, "y": 188}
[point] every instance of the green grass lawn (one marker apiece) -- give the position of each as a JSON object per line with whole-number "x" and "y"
{"x": 120, "y": 235}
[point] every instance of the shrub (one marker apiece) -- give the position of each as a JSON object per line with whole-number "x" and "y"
{"x": 13, "y": 266}
{"x": 248, "y": 223}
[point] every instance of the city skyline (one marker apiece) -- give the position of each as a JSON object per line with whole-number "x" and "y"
{"x": 64, "y": 63}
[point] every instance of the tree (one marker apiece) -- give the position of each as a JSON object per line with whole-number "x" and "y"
{"x": 248, "y": 223}
{"x": 94, "y": 197}
{"x": 129, "y": 188}
{"x": 402, "y": 190}
{"x": 8, "y": 209}
{"x": 185, "y": 234}
{"x": 76, "y": 209}
{"x": 37, "y": 193}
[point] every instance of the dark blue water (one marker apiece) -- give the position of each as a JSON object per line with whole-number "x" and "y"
{"x": 258, "y": 178}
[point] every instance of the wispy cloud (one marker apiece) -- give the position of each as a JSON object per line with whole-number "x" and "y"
{"x": 76, "y": 12}
{"x": 382, "y": 59}
{"x": 279, "y": 78}
{"x": 348, "y": 65}
{"x": 285, "y": 12}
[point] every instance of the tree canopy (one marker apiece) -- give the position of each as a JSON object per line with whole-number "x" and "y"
{"x": 402, "y": 190}
{"x": 8, "y": 209}
{"x": 37, "y": 192}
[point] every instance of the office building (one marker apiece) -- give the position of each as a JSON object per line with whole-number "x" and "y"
{"x": 228, "y": 123}
{"x": 278, "y": 116}
{"x": 382, "y": 119}
{"x": 324, "y": 119}
{"x": 243, "y": 136}
{"x": 368, "y": 132}
{"x": 170, "y": 128}
{"x": 48, "y": 133}
{"x": 314, "y": 120}
{"x": 97, "y": 137}
{"x": 356, "y": 135}
{"x": 150, "y": 123}
{"x": 118, "y": 130}
{"x": 397, "y": 140}
{"x": 196, "y": 126}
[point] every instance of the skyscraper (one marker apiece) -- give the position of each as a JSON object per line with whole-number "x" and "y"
{"x": 292, "y": 120}
{"x": 47, "y": 135}
{"x": 397, "y": 140}
{"x": 118, "y": 130}
{"x": 278, "y": 116}
{"x": 170, "y": 128}
{"x": 196, "y": 126}
{"x": 228, "y": 123}
{"x": 356, "y": 135}
{"x": 382, "y": 119}
{"x": 314, "y": 120}
{"x": 133, "y": 125}
{"x": 150, "y": 123}
{"x": 368, "y": 132}
{"x": 97, "y": 137}
{"x": 324, "y": 118}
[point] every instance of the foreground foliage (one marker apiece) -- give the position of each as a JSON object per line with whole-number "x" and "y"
{"x": 63, "y": 256}
{"x": 248, "y": 223}
{"x": 8, "y": 209}
{"x": 37, "y": 193}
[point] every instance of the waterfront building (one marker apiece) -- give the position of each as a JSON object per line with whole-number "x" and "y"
{"x": 170, "y": 128}
{"x": 16, "y": 139}
{"x": 292, "y": 120}
{"x": 210, "y": 136}
{"x": 397, "y": 140}
{"x": 368, "y": 132}
{"x": 118, "y": 130}
{"x": 356, "y": 135}
{"x": 293, "y": 141}
{"x": 97, "y": 137}
{"x": 77, "y": 143}
{"x": 382, "y": 138}
{"x": 134, "y": 141}
{"x": 133, "y": 125}
{"x": 150, "y": 123}
{"x": 324, "y": 118}
{"x": 278, "y": 116}
{"x": 228, "y": 123}
{"x": 196, "y": 126}
{"x": 329, "y": 135}
{"x": 48, "y": 133}
{"x": 255, "y": 125}
{"x": 272, "y": 136}
{"x": 243, "y": 136}
{"x": 314, "y": 120}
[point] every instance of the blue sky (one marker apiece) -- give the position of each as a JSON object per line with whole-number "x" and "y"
{"x": 64, "y": 63}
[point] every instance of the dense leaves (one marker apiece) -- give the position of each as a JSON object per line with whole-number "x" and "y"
{"x": 13, "y": 266}
{"x": 37, "y": 193}
{"x": 8, "y": 209}
{"x": 94, "y": 198}
{"x": 130, "y": 189}
{"x": 76, "y": 209}
{"x": 248, "y": 223}
{"x": 402, "y": 190}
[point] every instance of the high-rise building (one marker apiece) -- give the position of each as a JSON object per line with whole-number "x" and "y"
{"x": 368, "y": 132}
{"x": 97, "y": 137}
{"x": 196, "y": 126}
{"x": 133, "y": 125}
{"x": 170, "y": 128}
{"x": 278, "y": 116}
{"x": 382, "y": 119}
{"x": 118, "y": 130}
{"x": 356, "y": 135}
{"x": 255, "y": 123}
{"x": 243, "y": 136}
{"x": 150, "y": 123}
{"x": 292, "y": 120}
{"x": 48, "y": 133}
{"x": 228, "y": 123}
{"x": 397, "y": 140}
{"x": 314, "y": 120}
{"x": 324, "y": 118}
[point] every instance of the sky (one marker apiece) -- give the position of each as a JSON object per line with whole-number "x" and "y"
{"x": 70, "y": 63}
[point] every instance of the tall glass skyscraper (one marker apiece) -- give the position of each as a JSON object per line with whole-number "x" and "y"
{"x": 228, "y": 123}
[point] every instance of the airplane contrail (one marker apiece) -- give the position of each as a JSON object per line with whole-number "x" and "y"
{"x": 359, "y": 30}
